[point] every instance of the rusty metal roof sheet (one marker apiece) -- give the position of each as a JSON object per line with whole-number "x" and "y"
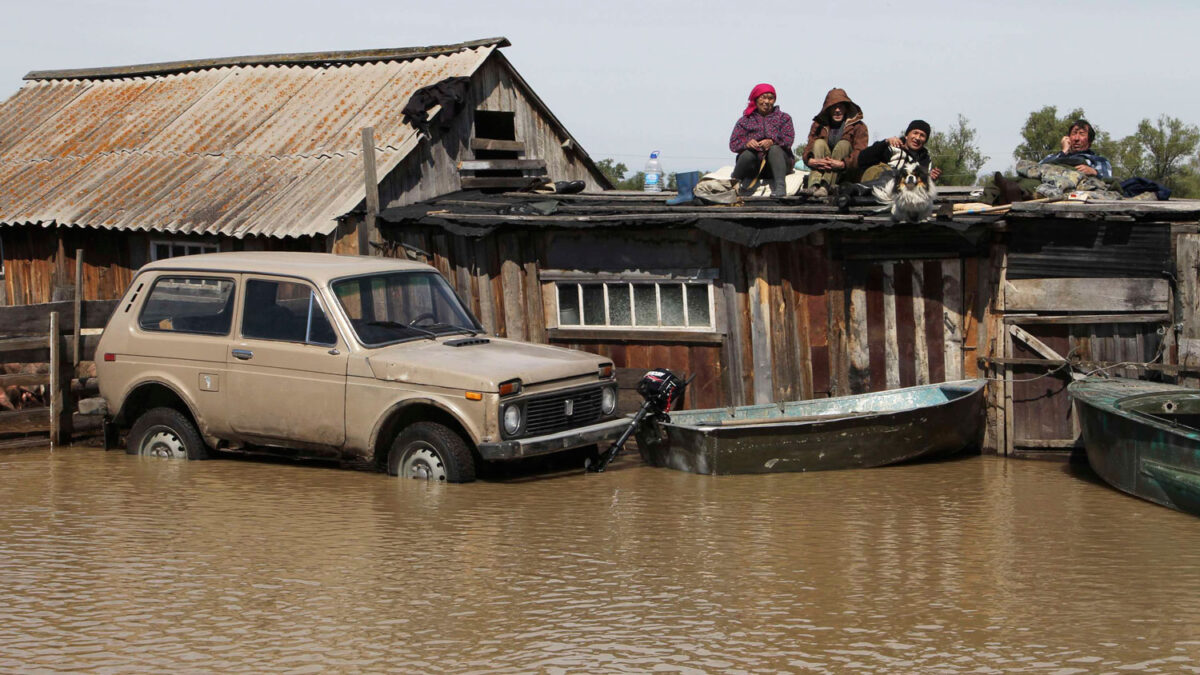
{"x": 258, "y": 146}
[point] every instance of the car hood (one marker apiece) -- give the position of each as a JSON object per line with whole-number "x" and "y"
{"x": 479, "y": 365}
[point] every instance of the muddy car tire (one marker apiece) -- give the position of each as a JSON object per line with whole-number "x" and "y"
{"x": 165, "y": 432}
{"x": 431, "y": 451}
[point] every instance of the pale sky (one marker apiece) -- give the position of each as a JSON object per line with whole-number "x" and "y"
{"x": 627, "y": 77}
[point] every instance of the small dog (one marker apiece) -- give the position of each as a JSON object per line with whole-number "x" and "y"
{"x": 910, "y": 193}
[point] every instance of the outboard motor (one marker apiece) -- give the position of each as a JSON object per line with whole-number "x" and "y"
{"x": 662, "y": 391}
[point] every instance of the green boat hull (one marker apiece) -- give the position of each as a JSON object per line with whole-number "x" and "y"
{"x": 847, "y": 432}
{"x": 1143, "y": 438}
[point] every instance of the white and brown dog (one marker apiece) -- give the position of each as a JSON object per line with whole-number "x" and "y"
{"x": 909, "y": 192}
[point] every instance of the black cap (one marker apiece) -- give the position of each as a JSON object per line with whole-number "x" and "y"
{"x": 918, "y": 124}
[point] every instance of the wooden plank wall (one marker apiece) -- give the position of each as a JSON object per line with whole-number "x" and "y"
{"x": 431, "y": 168}
{"x": 497, "y": 277}
{"x": 493, "y": 88}
{"x": 1187, "y": 306}
{"x": 34, "y": 266}
{"x": 39, "y": 260}
{"x": 797, "y": 323}
{"x": 1041, "y": 408}
{"x": 908, "y": 322}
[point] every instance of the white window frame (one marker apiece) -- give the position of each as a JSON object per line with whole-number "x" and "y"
{"x": 205, "y": 247}
{"x": 609, "y": 280}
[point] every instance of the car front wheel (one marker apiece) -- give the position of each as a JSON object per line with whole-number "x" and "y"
{"x": 431, "y": 451}
{"x": 165, "y": 432}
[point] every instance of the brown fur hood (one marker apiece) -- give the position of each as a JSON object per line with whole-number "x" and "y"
{"x": 854, "y": 113}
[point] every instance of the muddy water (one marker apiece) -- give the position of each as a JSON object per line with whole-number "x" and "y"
{"x": 115, "y": 563}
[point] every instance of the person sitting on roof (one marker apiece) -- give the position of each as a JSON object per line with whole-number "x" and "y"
{"x": 835, "y": 138}
{"x": 1071, "y": 168}
{"x": 762, "y": 140}
{"x": 1077, "y": 151}
{"x": 893, "y": 153}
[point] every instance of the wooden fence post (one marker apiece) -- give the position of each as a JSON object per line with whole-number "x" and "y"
{"x": 78, "y": 304}
{"x": 55, "y": 384}
{"x": 371, "y": 188}
{"x": 60, "y": 407}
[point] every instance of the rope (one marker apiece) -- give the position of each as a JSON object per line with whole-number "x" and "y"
{"x": 1157, "y": 356}
{"x": 1048, "y": 373}
{"x": 1087, "y": 374}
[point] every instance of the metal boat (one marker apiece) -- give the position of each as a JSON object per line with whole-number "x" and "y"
{"x": 846, "y": 432}
{"x": 1143, "y": 438}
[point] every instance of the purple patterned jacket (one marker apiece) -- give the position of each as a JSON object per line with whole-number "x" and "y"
{"x": 777, "y": 126}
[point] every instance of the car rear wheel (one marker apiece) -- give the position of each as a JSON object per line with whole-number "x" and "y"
{"x": 165, "y": 432}
{"x": 431, "y": 451}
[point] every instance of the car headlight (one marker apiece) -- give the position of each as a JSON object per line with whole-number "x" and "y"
{"x": 608, "y": 400}
{"x": 512, "y": 419}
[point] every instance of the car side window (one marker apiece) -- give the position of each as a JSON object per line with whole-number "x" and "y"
{"x": 186, "y": 304}
{"x": 285, "y": 310}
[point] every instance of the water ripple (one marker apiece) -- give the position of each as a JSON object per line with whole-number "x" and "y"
{"x": 112, "y": 563}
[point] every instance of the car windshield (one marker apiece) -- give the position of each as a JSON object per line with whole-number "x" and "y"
{"x": 395, "y": 306}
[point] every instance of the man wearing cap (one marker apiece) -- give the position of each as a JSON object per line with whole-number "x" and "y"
{"x": 895, "y": 152}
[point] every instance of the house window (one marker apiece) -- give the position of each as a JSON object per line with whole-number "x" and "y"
{"x": 161, "y": 249}
{"x": 645, "y": 302}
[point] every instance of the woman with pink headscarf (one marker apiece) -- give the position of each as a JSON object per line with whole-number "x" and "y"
{"x": 763, "y": 132}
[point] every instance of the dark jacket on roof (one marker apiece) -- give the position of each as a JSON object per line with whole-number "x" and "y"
{"x": 882, "y": 152}
{"x": 854, "y": 130}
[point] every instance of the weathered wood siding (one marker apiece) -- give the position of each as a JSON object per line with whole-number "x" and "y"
{"x": 791, "y": 321}
{"x": 431, "y": 169}
{"x": 38, "y": 260}
{"x": 39, "y": 264}
{"x": 1043, "y": 418}
{"x": 496, "y": 86}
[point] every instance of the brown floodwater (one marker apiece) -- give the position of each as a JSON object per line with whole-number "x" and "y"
{"x": 115, "y": 563}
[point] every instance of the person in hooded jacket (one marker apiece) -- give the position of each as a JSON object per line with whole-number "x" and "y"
{"x": 763, "y": 133}
{"x": 835, "y": 138}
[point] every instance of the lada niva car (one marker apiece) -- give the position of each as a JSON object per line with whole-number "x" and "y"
{"x": 365, "y": 360}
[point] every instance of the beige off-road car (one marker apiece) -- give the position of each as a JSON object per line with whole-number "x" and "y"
{"x": 369, "y": 361}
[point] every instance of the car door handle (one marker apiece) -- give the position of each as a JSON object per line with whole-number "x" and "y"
{"x": 243, "y": 354}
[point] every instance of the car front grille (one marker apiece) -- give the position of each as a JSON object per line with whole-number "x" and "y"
{"x": 547, "y": 414}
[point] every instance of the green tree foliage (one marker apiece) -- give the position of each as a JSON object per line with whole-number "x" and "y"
{"x": 635, "y": 182}
{"x": 1163, "y": 151}
{"x": 1187, "y": 184}
{"x": 615, "y": 171}
{"x": 1160, "y": 150}
{"x": 956, "y": 153}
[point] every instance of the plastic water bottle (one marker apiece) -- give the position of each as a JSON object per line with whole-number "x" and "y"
{"x": 654, "y": 174}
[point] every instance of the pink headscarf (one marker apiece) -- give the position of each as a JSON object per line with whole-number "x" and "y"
{"x": 758, "y": 90}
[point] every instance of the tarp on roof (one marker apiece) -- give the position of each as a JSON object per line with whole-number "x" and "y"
{"x": 257, "y": 146}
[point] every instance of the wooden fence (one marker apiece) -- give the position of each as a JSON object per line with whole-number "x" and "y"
{"x": 56, "y": 343}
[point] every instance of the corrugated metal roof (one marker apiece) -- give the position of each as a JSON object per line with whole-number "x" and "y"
{"x": 259, "y": 148}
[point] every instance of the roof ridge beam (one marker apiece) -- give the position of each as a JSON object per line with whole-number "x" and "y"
{"x": 306, "y": 58}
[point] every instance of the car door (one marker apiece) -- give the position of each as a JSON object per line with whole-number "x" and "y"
{"x": 181, "y": 338}
{"x": 287, "y": 368}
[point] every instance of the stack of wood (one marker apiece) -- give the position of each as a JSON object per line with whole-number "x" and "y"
{"x": 498, "y": 167}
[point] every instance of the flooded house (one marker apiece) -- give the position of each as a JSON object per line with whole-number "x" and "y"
{"x": 286, "y": 151}
{"x": 429, "y": 153}
{"x": 771, "y": 301}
